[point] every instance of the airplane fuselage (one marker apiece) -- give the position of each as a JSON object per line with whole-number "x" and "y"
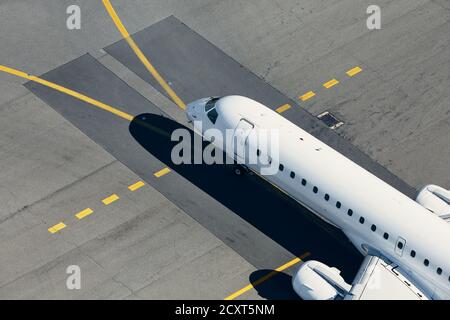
{"x": 375, "y": 217}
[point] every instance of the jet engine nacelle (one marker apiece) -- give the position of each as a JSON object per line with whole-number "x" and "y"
{"x": 317, "y": 281}
{"x": 436, "y": 199}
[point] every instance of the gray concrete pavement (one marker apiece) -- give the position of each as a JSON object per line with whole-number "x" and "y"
{"x": 199, "y": 190}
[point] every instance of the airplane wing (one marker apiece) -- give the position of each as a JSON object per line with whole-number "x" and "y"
{"x": 378, "y": 279}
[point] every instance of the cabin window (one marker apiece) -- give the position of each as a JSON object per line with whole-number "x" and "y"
{"x": 212, "y": 115}
{"x": 258, "y": 152}
{"x": 413, "y": 253}
{"x": 386, "y": 235}
{"x": 315, "y": 189}
{"x": 350, "y": 212}
{"x": 426, "y": 262}
{"x": 373, "y": 228}
{"x": 304, "y": 182}
{"x": 327, "y": 196}
{"x": 292, "y": 174}
{"x": 281, "y": 167}
{"x": 361, "y": 220}
{"x": 338, "y": 204}
{"x": 439, "y": 271}
{"x": 400, "y": 245}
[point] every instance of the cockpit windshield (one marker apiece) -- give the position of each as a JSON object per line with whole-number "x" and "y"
{"x": 212, "y": 115}
{"x": 211, "y": 104}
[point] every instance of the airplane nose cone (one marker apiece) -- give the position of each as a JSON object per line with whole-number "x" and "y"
{"x": 193, "y": 109}
{"x": 196, "y": 109}
{"x": 191, "y": 112}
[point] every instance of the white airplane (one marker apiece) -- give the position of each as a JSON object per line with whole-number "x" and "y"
{"x": 406, "y": 243}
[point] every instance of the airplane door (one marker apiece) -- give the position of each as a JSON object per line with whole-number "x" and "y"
{"x": 400, "y": 246}
{"x": 241, "y": 134}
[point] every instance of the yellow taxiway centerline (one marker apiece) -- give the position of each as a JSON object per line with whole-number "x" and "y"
{"x": 67, "y": 91}
{"x": 267, "y": 276}
{"x": 123, "y": 31}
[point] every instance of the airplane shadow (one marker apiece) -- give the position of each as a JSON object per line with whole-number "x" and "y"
{"x": 279, "y": 287}
{"x": 253, "y": 199}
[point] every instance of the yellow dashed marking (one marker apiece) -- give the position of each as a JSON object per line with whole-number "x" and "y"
{"x": 353, "y": 71}
{"x": 136, "y": 186}
{"x": 162, "y": 172}
{"x": 267, "y": 276}
{"x": 110, "y": 199}
{"x": 57, "y": 227}
{"x": 283, "y": 108}
{"x": 82, "y": 214}
{"x": 307, "y": 96}
{"x": 330, "y": 83}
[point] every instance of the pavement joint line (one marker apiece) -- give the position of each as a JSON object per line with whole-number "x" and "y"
{"x": 283, "y": 108}
{"x": 268, "y": 276}
{"x": 84, "y": 213}
{"x": 123, "y": 31}
{"x": 57, "y": 227}
{"x": 330, "y": 83}
{"x": 354, "y": 71}
{"x": 136, "y": 186}
{"x": 162, "y": 172}
{"x": 112, "y": 198}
